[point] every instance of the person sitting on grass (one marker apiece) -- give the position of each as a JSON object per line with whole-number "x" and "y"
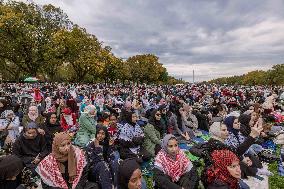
{"x": 30, "y": 147}
{"x": 65, "y": 167}
{"x": 172, "y": 169}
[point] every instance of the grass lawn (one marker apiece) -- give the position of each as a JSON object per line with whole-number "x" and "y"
{"x": 276, "y": 181}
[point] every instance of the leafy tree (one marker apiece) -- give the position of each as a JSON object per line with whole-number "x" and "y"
{"x": 26, "y": 33}
{"x": 145, "y": 68}
{"x": 275, "y": 76}
{"x": 254, "y": 78}
{"x": 81, "y": 50}
{"x": 110, "y": 65}
{"x": 42, "y": 41}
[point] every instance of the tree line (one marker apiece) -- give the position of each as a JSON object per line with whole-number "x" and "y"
{"x": 41, "y": 41}
{"x": 274, "y": 76}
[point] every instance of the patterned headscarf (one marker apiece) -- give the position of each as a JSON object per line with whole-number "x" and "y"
{"x": 6, "y": 113}
{"x": 218, "y": 171}
{"x": 173, "y": 167}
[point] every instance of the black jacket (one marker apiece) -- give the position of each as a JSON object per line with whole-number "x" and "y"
{"x": 189, "y": 180}
{"x": 50, "y": 130}
{"x": 218, "y": 185}
{"x": 28, "y": 149}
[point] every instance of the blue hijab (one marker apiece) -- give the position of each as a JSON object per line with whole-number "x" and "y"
{"x": 229, "y": 122}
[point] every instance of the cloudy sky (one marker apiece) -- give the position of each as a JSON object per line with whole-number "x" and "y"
{"x": 214, "y": 37}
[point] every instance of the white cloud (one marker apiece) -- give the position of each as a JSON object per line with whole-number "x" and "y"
{"x": 214, "y": 37}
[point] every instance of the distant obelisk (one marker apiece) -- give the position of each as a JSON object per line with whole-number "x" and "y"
{"x": 193, "y": 76}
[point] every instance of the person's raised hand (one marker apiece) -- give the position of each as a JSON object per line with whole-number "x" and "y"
{"x": 186, "y": 136}
{"x": 41, "y": 131}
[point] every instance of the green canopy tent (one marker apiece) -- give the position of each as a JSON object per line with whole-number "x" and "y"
{"x": 31, "y": 79}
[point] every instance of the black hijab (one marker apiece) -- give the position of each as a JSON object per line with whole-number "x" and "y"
{"x": 125, "y": 171}
{"x": 229, "y": 122}
{"x": 245, "y": 127}
{"x": 128, "y": 118}
{"x": 157, "y": 123}
{"x": 51, "y": 129}
{"x": 10, "y": 166}
{"x": 47, "y": 121}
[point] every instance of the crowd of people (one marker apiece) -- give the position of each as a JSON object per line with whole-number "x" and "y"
{"x": 79, "y": 136}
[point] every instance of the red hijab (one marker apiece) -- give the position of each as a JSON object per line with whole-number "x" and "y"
{"x": 218, "y": 171}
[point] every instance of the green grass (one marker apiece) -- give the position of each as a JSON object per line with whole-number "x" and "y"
{"x": 149, "y": 182}
{"x": 276, "y": 181}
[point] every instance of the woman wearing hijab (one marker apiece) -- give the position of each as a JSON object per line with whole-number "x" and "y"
{"x": 131, "y": 138}
{"x": 85, "y": 102}
{"x": 101, "y": 156}
{"x": 156, "y": 120}
{"x": 246, "y": 123}
{"x": 30, "y": 146}
{"x": 203, "y": 119}
{"x": 10, "y": 168}
{"x": 100, "y": 106}
{"x": 172, "y": 169}
{"x": 219, "y": 134}
{"x": 11, "y": 123}
{"x": 65, "y": 167}
{"x": 51, "y": 127}
{"x": 152, "y": 141}
{"x": 68, "y": 120}
{"x": 235, "y": 137}
{"x": 87, "y": 130}
{"x": 130, "y": 175}
{"x": 34, "y": 116}
{"x": 164, "y": 118}
{"x": 225, "y": 172}
{"x": 72, "y": 104}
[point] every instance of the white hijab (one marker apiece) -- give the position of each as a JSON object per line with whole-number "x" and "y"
{"x": 215, "y": 131}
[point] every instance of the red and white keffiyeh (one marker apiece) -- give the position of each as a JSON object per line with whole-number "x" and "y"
{"x": 50, "y": 174}
{"x": 174, "y": 168}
